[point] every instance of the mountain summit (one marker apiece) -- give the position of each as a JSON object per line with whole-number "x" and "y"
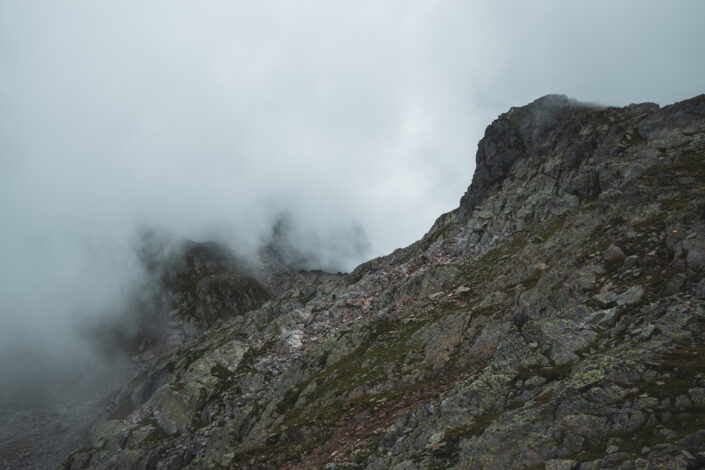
{"x": 556, "y": 319}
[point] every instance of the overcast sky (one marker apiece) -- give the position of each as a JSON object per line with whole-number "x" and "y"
{"x": 205, "y": 117}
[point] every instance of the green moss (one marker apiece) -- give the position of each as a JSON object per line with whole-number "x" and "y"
{"x": 682, "y": 422}
{"x": 370, "y": 364}
{"x": 553, "y": 227}
{"x": 613, "y": 266}
{"x": 454, "y": 436}
{"x": 371, "y": 448}
{"x": 671, "y": 179}
{"x": 290, "y": 398}
{"x": 531, "y": 280}
{"x": 222, "y": 373}
{"x": 328, "y": 403}
{"x": 593, "y": 452}
{"x": 683, "y": 364}
{"x": 543, "y": 398}
{"x": 305, "y": 429}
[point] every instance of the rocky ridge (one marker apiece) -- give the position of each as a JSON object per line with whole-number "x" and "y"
{"x": 554, "y": 320}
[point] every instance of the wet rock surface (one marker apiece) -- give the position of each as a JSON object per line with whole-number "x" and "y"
{"x": 555, "y": 320}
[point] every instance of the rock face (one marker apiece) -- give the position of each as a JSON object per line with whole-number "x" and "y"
{"x": 555, "y": 320}
{"x": 211, "y": 286}
{"x": 192, "y": 287}
{"x": 519, "y": 134}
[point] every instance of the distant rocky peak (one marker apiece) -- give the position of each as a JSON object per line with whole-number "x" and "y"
{"x": 555, "y": 155}
{"x": 209, "y": 258}
{"x": 518, "y": 133}
{"x": 538, "y": 119}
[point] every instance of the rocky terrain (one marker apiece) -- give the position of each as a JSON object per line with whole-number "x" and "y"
{"x": 555, "y": 320}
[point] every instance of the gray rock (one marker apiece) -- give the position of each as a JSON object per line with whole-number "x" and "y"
{"x": 631, "y": 296}
{"x": 560, "y": 464}
{"x": 605, "y": 299}
{"x": 697, "y": 395}
{"x": 631, "y": 262}
{"x": 682, "y": 401}
{"x": 647, "y": 330}
{"x": 675, "y": 284}
{"x": 112, "y": 433}
{"x": 613, "y": 252}
{"x": 516, "y": 134}
{"x": 535, "y": 381}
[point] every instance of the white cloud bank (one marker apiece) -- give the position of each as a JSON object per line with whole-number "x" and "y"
{"x": 210, "y": 117}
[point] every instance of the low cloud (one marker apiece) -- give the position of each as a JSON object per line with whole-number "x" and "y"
{"x": 329, "y": 131}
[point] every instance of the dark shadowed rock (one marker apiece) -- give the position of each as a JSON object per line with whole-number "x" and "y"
{"x": 519, "y": 133}
{"x": 212, "y": 285}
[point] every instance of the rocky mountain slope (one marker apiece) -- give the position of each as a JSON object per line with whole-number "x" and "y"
{"x": 555, "y": 320}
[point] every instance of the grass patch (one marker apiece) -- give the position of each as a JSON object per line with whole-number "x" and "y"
{"x": 543, "y": 398}
{"x": 222, "y": 373}
{"x": 532, "y": 279}
{"x": 454, "y": 436}
{"x": 368, "y": 450}
{"x": 550, "y": 230}
{"x": 368, "y": 365}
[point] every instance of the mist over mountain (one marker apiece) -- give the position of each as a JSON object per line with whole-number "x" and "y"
{"x": 206, "y": 159}
{"x": 561, "y": 304}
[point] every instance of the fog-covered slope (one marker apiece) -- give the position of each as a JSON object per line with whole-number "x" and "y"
{"x": 554, "y": 320}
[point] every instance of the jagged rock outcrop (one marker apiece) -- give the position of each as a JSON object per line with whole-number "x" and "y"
{"x": 555, "y": 320}
{"x": 212, "y": 286}
{"x": 519, "y": 134}
{"x": 192, "y": 286}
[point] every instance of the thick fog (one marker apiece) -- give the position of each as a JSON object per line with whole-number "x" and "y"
{"x": 356, "y": 121}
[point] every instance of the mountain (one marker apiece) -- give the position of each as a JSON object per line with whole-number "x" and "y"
{"x": 555, "y": 319}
